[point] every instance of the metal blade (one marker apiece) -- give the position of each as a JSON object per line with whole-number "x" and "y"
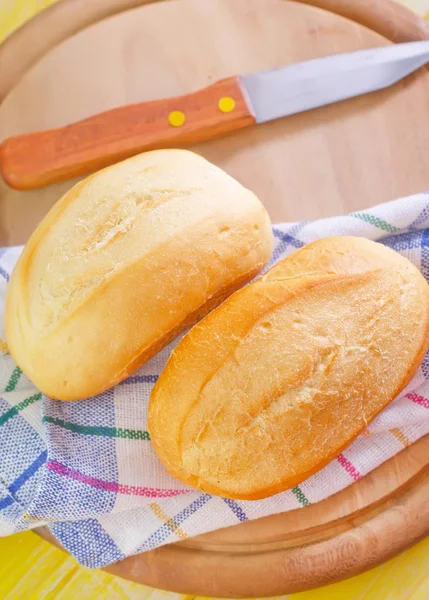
{"x": 303, "y": 86}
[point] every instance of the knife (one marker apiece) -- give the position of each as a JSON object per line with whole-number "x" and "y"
{"x": 40, "y": 158}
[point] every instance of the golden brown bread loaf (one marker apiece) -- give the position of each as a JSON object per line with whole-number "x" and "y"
{"x": 125, "y": 261}
{"x": 275, "y": 382}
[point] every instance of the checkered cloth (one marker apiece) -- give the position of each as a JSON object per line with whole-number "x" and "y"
{"x": 87, "y": 469}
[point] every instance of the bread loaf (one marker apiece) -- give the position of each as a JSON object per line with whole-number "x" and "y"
{"x": 123, "y": 263}
{"x": 279, "y": 379}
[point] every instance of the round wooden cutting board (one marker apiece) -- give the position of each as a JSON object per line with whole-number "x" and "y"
{"x": 329, "y": 161}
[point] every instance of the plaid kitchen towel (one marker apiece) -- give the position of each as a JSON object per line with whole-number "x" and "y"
{"x": 87, "y": 469}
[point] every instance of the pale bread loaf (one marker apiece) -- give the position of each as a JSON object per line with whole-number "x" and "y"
{"x": 125, "y": 261}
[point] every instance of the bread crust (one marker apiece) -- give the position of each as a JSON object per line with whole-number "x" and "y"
{"x": 278, "y": 380}
{"x": 124, "y": 262}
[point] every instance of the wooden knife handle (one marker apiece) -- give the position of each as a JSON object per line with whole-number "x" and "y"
{"x": 37, "y": 159}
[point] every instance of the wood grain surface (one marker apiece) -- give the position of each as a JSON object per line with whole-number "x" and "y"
{"x": 328, "y": 161}
{"x": 332, "y": 160}
{"x": 26, "y": 46}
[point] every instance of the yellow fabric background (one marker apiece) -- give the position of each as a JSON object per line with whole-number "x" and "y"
{"x": 31, "y": 569}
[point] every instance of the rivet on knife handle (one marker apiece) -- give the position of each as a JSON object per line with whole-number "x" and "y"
{"x": 37, "y": 159}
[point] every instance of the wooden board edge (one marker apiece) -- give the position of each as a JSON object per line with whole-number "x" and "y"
{"x": 33, "y": 40}
{"x": 24, "y": 48}
{"x": 386, "y": 17}
{"x": 370, "y": 542}
{"x": 340, "y": 549}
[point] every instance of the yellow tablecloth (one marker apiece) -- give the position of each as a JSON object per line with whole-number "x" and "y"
{"x": 31, "y": 569}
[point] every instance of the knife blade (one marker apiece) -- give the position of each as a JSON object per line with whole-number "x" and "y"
{"x": 322, "y": 81}
{"x": 36, "y": 159}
